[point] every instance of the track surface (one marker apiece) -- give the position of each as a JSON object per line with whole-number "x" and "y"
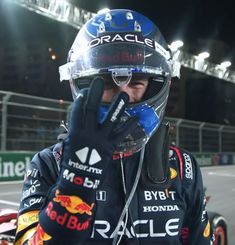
{"x": 219, "y": 181}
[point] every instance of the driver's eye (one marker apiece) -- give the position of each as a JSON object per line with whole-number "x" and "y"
{"x": 135, "y": 83}
{"x": 138, "y": 83}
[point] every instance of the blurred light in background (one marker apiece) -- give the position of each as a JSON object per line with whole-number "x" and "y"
{"x": 176, "y": 45}
{"x": 225, "y": 64}
{"x": 203, "y": 55}
{"x": 53, "y": 57}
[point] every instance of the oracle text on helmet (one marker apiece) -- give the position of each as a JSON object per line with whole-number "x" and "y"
{"x": 131, "y": 38}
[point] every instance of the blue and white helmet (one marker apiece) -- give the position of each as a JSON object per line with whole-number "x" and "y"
{"x": 123, "y": 44}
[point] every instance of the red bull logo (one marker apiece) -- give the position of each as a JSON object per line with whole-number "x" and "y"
{"x": 66, "y": 219}
{"x": 39, "y": 237}
{"x": 73, "y": 204}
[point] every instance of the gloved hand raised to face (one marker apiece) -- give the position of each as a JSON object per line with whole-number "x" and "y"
{"x": 90, "y": 143}
{"x": 87, "y": 151}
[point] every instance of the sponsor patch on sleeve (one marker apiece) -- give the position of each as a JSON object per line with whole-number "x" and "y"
{"x": 188, "y": 166}
{"x": 173, "y": 173}
{"x": 27, "y": 219}
{"x": 206, "y": 231}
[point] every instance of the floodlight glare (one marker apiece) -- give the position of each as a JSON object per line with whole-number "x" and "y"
{"x": 203, "y": 55}
{"x": 176, "y": 45}
{"x": 53, "y": 57}
{"x": 225, "y": 64}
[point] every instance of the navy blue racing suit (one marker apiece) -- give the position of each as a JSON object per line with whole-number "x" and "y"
{"x": 174, "y": 215}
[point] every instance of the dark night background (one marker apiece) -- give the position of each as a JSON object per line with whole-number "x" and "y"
{"x": 204, "y": 25}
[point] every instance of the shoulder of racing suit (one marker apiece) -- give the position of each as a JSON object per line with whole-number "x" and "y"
{"x": 189, "y": 172}
{"x": 192, "y": 186}
{"x": 48, "y": 162}
{"x": 41, "y": 174}
{"x": 187, "y": 163}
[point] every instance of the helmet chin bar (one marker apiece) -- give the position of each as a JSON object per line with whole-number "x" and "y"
{"x": 121, "y": 76}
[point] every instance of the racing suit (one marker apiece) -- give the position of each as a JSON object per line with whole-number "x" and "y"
{"x": 174, "y": 215}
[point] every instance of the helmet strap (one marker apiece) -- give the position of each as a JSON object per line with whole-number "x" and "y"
{"x": 157, "y": 170}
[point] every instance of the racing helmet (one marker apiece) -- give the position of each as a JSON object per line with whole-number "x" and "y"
{"x": 124, "y": 44}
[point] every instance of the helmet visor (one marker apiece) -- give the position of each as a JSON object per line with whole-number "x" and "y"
{"x": 122, "y": 57}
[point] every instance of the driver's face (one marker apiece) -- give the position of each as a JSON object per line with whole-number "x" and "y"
{"x": 135, "y": 89}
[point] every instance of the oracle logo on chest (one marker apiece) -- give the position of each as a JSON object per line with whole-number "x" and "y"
{"x": 146, "y": 228}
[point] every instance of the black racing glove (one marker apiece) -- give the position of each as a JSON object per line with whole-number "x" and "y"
{"x": 87, "y": 151}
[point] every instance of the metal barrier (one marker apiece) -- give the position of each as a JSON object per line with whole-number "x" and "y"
{"x": 202, "y": 137}
{"x": 30, "y": 123}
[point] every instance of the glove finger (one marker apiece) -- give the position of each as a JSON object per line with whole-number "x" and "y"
{"x": 76, "y": 114}
{"x": 91, "y": 107}
{"x": 115, "y": 111}
{"x": 128, "y": 127}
